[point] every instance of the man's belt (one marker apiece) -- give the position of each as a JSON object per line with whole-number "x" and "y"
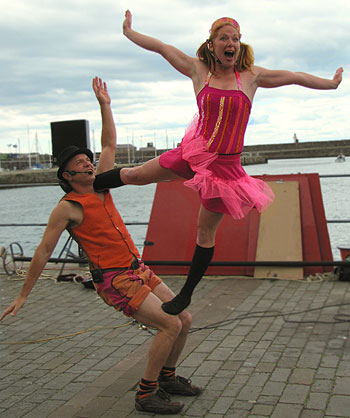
{"x": 97, "y": 274}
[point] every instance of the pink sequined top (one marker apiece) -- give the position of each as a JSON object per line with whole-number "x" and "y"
{"x": 223, "y": 117}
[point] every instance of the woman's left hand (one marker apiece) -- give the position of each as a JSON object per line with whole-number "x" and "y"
{"x": 338, "y": 76}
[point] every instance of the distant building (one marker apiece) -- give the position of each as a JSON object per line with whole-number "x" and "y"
{"x": 126, "y": 153}
{"x": 147, "y": 153}
{"x": 129, "y": 154}
{"x": 24, "y": 161}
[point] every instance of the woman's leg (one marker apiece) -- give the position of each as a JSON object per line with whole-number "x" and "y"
{"x": 149, "y": 172}
{"x": 208, "y": 223}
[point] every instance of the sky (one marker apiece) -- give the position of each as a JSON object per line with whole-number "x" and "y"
{"x": 51, "y": 50}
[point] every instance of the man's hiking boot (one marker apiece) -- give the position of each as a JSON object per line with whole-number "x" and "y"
{"x": 180, "y": 386}
{"x": 158, "y": 402}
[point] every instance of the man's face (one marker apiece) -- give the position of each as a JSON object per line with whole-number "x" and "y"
{"x": 80, "y": 162}
{"x": 79, "y": 168}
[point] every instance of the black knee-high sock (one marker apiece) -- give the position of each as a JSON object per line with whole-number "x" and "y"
{"x": 200, "y": 262}
{"x": 108, "y": 180}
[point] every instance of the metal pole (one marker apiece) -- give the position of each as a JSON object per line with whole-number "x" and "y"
{"x": 29, "y": 160}
{"x": 252, "y": 263}
{"x": 214, "y": 263}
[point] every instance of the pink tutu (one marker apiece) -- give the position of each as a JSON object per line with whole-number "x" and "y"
{"x": 220, "y": 180}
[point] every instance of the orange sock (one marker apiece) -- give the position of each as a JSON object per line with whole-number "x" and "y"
{"x": 167, "y": 373}
{"x": 146, "y": 388}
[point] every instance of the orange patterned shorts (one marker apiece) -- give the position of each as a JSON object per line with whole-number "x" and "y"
{"x": 126, "y": 289}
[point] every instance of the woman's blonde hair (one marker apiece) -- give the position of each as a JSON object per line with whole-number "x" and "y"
{"x": 245, "y": 58}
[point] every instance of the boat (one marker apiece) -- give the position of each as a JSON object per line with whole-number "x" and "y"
{"x": 340, "y": 158}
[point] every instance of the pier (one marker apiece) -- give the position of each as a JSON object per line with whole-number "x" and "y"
{"x": 48, "y": 176}
{"x": 297, "y": 149}
{"x": 267, "y": 347}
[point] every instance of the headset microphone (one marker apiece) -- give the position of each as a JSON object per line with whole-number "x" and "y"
{"x": 73, "y": 172}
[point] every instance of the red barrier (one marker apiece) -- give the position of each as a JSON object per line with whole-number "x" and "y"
{"x": 171, "y": 233}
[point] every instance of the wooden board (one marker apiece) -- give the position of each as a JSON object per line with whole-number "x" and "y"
{"x": 280, "y": 237}
{"x": 316, "y": 242}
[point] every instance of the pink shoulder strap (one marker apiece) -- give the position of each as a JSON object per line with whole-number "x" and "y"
{"x": 208, "y": 79}
{"x": 239, "y": 83}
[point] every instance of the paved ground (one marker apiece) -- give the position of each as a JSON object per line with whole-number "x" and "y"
{"x": 251, "y": 360}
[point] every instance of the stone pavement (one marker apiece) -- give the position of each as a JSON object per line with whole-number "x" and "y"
{"x": 86, "y": 359}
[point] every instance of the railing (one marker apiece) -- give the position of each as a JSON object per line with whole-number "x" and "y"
{"x": 38, "y": 224}
{"x": 14, "y": 253}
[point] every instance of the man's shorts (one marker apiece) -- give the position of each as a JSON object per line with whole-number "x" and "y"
{"x": 126, "y": 288}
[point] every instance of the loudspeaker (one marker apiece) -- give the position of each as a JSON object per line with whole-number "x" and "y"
{"x": 69, "y": 132}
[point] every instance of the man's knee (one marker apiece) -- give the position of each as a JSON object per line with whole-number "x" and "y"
{"x": 173, "y": 326}
{"x": 186, "y": 320}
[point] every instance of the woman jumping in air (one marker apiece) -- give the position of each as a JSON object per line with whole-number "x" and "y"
{"x": 225, "y": 81}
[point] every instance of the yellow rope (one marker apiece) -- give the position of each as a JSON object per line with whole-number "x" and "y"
{"x": 21, "y": 273}
{"x": 319, "y": 277}
{"x": 65, "y": 336}
{"x": 3, "y": 253}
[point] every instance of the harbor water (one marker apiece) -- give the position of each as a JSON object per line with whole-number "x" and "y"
{"x": 33, "y": 205}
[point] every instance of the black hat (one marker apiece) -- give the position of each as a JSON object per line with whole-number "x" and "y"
{"x": 67, "y": 154}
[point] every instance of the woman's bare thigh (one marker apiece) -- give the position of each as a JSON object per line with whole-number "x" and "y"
{"x": 149, "y": 172}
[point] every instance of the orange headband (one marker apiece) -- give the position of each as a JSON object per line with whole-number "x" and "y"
{"x": 224, "y": 21}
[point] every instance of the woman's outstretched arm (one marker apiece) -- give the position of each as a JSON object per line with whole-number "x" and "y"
{"x": 277, "y": 78}
{"x": 179, "y": 60}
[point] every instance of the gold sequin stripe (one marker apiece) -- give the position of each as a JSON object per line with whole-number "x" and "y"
{"x": 218, "y": 121}
{"x": 234, "y": 129}
{"x": 227, "y": 117}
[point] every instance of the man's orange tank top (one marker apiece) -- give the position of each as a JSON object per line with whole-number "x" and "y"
{"x": 102, "y": 234}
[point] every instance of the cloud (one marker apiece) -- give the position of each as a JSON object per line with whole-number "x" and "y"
{"x": 51, "y": 51}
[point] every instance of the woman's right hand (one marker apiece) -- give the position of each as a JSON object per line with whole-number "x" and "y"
{"x": 180, "y": 61}
{"x": 127, "y": 22}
